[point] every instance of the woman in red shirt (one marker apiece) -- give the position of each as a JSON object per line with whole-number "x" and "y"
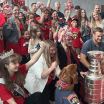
{"x": 46, "y": 24}
{"x": 12, "y": 81}
{"x": 12, "y": 30}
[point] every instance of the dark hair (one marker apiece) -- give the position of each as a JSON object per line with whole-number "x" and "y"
{"x": 33, "y": 4}
{"x": 97, "y": 29}
{"x": 80, "y": 17}
{"x": 23, "y": 32}
{"x": 15, "y": 6}
{"x": 53, "y": 12}
{"x": 74, "y": 19}
{"x": 77, "y": 7}
{"x": 24, "y": 17}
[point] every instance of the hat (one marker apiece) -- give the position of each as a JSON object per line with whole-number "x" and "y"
{"x": 77, "y": 7}
{"x": 74, "y": 19}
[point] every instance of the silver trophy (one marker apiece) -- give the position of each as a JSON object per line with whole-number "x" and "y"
{"x": 94, "y": 81}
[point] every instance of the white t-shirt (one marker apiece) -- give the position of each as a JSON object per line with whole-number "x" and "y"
{"x": 102, "y": 26}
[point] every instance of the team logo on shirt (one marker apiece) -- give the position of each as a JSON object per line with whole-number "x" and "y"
{"x": 75, "y": 35}
{"x": 25, "y": 44}
{"x": 73, "y": 99}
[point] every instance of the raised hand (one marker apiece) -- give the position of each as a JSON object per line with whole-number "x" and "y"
{"x": 90, "y": 25}
{"x": 9, "y": 21}
{"x": 42, "y": 45}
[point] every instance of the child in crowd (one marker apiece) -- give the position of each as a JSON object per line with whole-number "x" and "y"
{"x": 36, "y": 37}
{"x": 31, "y": 21}
{"x": 23, "y": 43}
{"x": 54, "y": 30}
{"x": 77, "y": 36}
{"x": 22, "y": 16}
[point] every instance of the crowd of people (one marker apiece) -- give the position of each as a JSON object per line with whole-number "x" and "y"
{"x": 34, "y": 49}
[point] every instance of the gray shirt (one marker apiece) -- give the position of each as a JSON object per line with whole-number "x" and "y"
{"x": 89, "y": 45}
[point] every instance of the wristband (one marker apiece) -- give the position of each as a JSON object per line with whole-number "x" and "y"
{"x": 68, "y": 15}
{"x": 50, "y": 34}
{"x": 56, "y": 30}
{"x": 29, "y": 26}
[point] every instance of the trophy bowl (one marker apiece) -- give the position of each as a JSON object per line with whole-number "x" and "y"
{"x": 94, "y": 81}
{"x": 95, "y": 55}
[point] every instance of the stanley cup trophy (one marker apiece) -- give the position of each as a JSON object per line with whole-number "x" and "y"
{"x": 94, "y": 81}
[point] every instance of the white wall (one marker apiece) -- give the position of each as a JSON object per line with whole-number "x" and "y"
{"x": 88, "y": 5}
{"x": 9, "y": 1}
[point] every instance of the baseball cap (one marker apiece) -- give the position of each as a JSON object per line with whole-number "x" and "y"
{"x": 77, "y": 7}
{"x": 74, "y": 19}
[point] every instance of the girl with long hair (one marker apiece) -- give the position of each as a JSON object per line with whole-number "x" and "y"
{"x": 53, "y": 33}
{"x": 36, "y": 37}
{"x": 22, "y": 16}
{"x": 83, "y": 25}
{"x": 54, "y": 24}
{"x": 12, "y": 79}
{"x": 43, "y": 72}
{"x": 96, "y": 21}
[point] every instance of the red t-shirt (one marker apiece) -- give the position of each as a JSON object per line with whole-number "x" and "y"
{"x": 6, "y": 95}
{"x": 2, "y": 20}
{"x": 45, "y": 28}
{"x": 21, "y": 26}
{"x": 1, "y": 46}
{"x": 75, "y": 16}
{"x": 13, "y": 46}
{"x": 76, "y": 42}
{"x": 23, "y": 43}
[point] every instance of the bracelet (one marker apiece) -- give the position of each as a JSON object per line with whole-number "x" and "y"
{"x": 29, "y": 26}
{"x": 50, "y": 34}
{"x": 56, "y": 30}
{"x": 68, "y": 15}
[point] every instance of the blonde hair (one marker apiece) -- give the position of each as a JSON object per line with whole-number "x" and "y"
{"x": 46, "y": 52}
{"x": 53, "y": 25}
{"x": 93, "y": 22}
